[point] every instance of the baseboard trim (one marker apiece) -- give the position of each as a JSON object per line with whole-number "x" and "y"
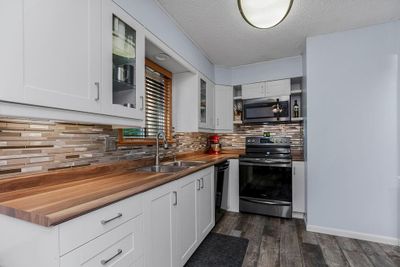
{"x": 355, "y": 235}
{"x": 298, "y": 215}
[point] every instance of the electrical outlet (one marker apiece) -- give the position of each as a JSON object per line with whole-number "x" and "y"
{"x": 110, "y": 143}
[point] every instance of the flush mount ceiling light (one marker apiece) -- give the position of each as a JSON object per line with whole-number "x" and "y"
{"x": 161, "y": 57}
{"x": 264, "y": 14}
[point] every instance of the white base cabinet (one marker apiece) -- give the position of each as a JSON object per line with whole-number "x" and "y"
{"x": 118, "y": 248}
{"x": 187, "y": 199}
{"x": 160, "y": 227}
{"x": 233, "y": 186}
{"x": 299, "y": 187}
{"x": 205, "y": 204}
{"x": 179, "y": 216}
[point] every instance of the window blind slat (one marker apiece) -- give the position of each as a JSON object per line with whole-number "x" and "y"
{"x": 156, "y": 102}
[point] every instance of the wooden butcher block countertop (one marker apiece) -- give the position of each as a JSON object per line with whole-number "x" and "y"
{"x": 51, "y": 198}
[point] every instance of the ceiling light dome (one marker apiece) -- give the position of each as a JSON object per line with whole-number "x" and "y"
{"x": 264, "y": 14}
{"x": 161, "y": 57}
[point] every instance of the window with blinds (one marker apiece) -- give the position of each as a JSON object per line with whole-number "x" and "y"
{"x": 158, "y": 106}
{"x": 157, "y": 103}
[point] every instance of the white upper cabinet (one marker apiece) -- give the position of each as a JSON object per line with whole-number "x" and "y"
{"x": 11, "y": 63}
{"x": 223, "y": 108}
{"x": 266, "y": 89}
{"x": 206, "y": 103}
{"x": 278, "y": 88}
{"x": 62, "y": 53}
{"x": 78, "y": 55}
{"x": 123, "y": 63}
{"x": 184, "y": 94}
{"x": 253, "y": 90}
{"x": 210, "y": 105}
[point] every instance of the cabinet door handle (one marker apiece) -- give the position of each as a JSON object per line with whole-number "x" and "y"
{"x": 294, "y": 170}
{"x": 175, "y": 198}
{"x": 202, "y": 183}
{"x": 104, "y": 222}
{"x": 104, "y": 262}
{"x": 97, "y": 98}
{"x": 142, "y": 102}
{"x": 198, "y": 184}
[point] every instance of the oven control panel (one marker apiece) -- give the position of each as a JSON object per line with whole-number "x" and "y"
{"x": 257, "y": 140}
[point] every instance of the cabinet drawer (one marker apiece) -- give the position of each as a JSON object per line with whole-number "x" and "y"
{"x": 123, "y": 246}
{"x": 81, "y": 230}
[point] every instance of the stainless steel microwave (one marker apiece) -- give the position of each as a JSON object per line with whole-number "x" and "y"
{"x": 262, "y": 110}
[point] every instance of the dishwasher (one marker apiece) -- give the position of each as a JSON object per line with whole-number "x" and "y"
{"x": 221, "y": 177}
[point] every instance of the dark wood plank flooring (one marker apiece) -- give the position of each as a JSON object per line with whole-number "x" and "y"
{"x": 275, "y": 242}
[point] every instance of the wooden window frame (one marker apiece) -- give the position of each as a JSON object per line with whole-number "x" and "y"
{"x": 168, "y": 111}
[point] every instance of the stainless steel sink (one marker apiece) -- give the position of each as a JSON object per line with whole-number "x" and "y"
{"x": 184, "y": 163}
{"x": 162, "y": 168}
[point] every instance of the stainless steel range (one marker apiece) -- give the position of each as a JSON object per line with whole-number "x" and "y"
{"x": 266, "y": 177}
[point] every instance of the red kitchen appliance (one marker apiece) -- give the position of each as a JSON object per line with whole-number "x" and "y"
{"x": 214, "y": 147}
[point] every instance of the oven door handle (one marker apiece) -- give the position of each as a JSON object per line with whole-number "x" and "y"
{"x": 268, "y": 202}
{"x": 261, "y": 164}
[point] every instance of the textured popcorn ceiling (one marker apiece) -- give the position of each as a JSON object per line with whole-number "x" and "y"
{"x": 217, "y": 27}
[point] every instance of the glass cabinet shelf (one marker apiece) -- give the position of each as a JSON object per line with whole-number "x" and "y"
{"x": 124, "y": 63}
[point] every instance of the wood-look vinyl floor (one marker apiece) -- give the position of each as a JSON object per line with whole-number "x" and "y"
{"x": 275, "y": 242}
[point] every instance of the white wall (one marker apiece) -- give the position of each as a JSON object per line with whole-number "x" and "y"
{"x": 155, "y": 20}
{"x": 277, "y": 69}
{"x": 268, "y": 70}
{"x": 304, "y": 111}
{"x": 352, "y": 133}
{"x": 223, "y": 76}
{"x": 398, "y": 135}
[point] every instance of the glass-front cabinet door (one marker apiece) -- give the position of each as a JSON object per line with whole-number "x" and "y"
{"x": 123, "y": 65}
{"x": 203, "y": 103}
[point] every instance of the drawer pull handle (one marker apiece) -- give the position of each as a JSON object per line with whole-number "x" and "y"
{"x": 176, "y": 198}
{"x": 198, "y": 184}
{"x": 202, "y": 183}
{"x": 104, "y": 262}
{"x": 119, "y": 215}
{"x": 97, "y": 98}
{"x": 142, "y": 101}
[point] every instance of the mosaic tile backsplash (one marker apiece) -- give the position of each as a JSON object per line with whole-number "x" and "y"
{"x": 237, "y": 139}
{"x": 28, "y": 146}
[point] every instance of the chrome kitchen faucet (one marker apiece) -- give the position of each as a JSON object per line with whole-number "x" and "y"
{"x": 165, "y": 144}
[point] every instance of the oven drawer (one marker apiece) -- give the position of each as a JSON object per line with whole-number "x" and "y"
{"x": 266, "y": 207}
